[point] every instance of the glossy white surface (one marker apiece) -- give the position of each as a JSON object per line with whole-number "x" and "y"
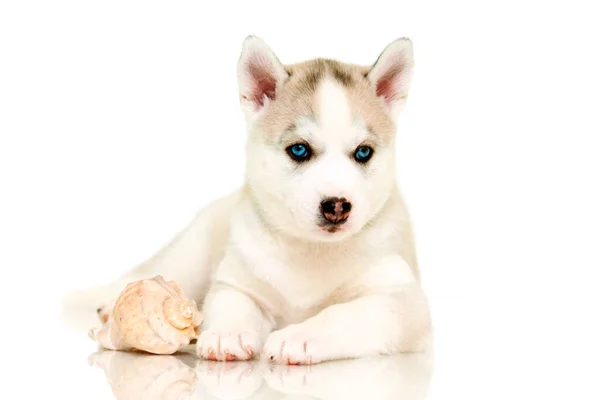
{"x": 132, "y": 376}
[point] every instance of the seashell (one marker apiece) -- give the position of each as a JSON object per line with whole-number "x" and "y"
{"x": 151, "y": 315}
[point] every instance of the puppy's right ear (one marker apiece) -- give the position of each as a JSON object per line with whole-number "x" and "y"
{"x": 260, "y": 75}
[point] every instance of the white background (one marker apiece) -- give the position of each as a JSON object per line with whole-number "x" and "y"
{"x": 120, "y": 119}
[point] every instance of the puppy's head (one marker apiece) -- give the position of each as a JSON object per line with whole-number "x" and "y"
{"x": 320, "y": 152}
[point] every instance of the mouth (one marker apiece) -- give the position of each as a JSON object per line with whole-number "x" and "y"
{"x": 332, "y": 227}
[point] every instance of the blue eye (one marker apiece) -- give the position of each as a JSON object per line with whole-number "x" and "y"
{"x": 363, "y": 154}
{"x": 299, "y": 152}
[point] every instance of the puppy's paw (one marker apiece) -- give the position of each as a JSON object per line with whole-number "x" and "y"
{"x": 221, "y": 345}
{"x": 297, "y": 344}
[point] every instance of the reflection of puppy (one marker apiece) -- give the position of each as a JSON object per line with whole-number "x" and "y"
{"x": 313, "y": 258}
{"x": 141, "y": 376}
{"x": 402, "y": 376}
{"x": 233, "y": 380}
{"x": 134, "y": 376}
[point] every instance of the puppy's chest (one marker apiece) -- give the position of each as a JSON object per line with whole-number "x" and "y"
{"x": 305, "y": 279}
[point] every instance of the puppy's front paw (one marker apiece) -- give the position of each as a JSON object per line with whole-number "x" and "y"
{"x": 295, "y": 344}
{"x": 221, "y": 345}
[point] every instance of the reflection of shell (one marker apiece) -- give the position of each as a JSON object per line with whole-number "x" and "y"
{"x": 150, "y": 315}
{"x": 149, "y": 377}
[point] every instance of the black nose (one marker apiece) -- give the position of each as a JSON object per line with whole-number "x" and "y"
{"x": 336, "y": 210}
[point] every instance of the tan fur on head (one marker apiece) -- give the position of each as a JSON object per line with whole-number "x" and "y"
{"x": 274, "y": 96}
{"x": 297, "y": 99}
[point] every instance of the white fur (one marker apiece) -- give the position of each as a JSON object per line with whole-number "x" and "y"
{"x": 272, "y": 281}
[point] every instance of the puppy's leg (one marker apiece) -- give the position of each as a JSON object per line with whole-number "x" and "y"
{"x": 234, "y": 326}
{"x": 370, "y": 325}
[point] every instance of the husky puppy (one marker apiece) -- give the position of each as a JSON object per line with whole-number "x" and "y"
{"x": 313, "y": 258}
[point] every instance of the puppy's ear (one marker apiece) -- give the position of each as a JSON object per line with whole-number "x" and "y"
{"x": 260, "y": 75}
{"x": 392, "y": 73}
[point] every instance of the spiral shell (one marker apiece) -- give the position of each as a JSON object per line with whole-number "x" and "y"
{"x": 179, "y": 313}
{"x": 150, "y": 315}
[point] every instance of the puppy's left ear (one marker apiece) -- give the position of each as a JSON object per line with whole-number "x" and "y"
{"x": 260, "y": 75}
{"x": 392, "y": 73}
